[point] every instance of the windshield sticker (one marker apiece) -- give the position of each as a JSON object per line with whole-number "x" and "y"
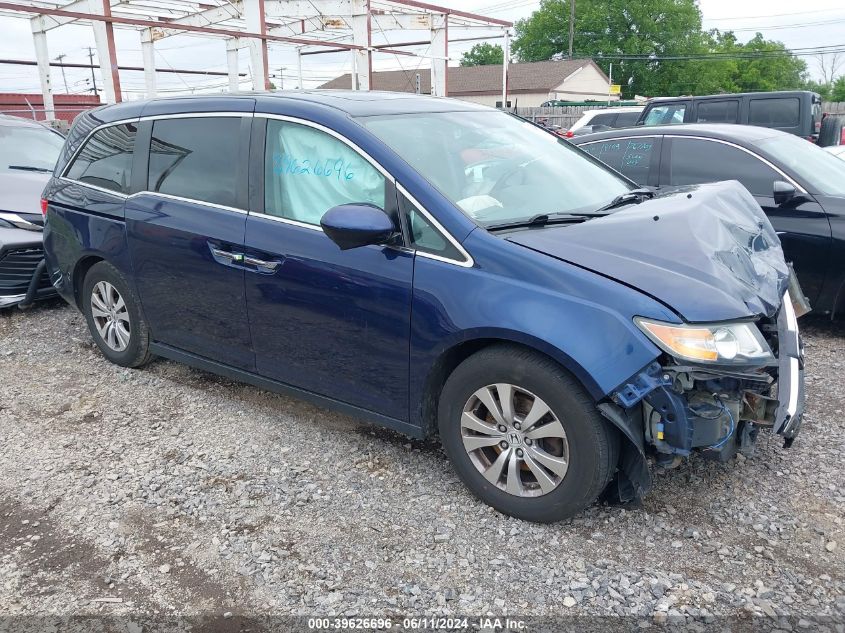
{"x": 336, "y": 168}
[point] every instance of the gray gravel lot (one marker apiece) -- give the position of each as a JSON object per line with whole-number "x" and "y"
{"x": 170, "y": 490}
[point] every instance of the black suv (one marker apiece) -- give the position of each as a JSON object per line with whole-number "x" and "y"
{"x": 798, "y": 112}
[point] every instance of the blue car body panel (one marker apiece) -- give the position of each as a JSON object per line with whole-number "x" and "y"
{"x": 366, "y": 327}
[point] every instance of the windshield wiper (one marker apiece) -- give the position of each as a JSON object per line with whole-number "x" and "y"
{"x": 31, "y": 168}
{"x": 635, "y": 195}
{"x": 543, "y": 219}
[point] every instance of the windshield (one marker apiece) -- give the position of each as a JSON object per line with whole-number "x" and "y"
{"x": 822, "y": 172}
{"x": 497, "y": 168}
{"x": 35, "y": 148}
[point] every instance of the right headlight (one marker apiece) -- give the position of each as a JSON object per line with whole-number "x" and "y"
{"x": 717, "y": 343}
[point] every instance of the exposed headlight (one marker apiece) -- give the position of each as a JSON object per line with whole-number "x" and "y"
{"x": 726, "y": 343}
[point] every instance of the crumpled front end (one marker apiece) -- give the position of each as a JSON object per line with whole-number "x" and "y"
{"x": 674, "y": 407}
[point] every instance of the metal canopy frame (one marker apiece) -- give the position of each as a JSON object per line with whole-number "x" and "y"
{"x": 311, "y": 26}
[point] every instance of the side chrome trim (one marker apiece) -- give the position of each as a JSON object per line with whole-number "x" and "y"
{"x": 223, "y": 207}
{"x": 468, "y": 261}
{"x": 71, "y": 181}
{"x": 275, "y": 218}
{"x": 712, "y": 140}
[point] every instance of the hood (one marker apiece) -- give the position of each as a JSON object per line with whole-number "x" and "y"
{"x": 707, "y": 251}
{"x": 20, "y": 191}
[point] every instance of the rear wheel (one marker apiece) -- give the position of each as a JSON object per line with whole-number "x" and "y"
{"x": 831, "y": 130}
{"x": 524, "y": 436}
{"x": 114, "y": 317}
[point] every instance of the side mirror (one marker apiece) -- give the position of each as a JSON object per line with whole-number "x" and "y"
{"x": 783, "y": 192}
{"x": 354, "y": 225}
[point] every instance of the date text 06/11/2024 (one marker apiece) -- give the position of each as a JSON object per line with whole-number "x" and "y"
{"x": 416, "y": 624}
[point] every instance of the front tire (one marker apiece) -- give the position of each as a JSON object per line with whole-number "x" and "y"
{"x": 114, "y": 317}
{"x": 524, "y": 436}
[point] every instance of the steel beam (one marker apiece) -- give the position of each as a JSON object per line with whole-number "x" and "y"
{"x": 362, "y": 36}
{"x": 232, "y": 46}
{"x": 42, "y": 56}
{"x": 104, "y": 38}
{"x": 255, "y": 22}
{"x": 439, "y": 46}
{"x": 149, "y": 55}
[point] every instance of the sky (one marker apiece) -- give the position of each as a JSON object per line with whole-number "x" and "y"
{"x": 815, "y": 23}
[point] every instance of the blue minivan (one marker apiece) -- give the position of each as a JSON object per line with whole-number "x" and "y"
{"x": 436, "y": 267}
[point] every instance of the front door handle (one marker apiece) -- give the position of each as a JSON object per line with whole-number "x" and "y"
{"x": 269, "y": 266}
{"x": 226, "y": 256}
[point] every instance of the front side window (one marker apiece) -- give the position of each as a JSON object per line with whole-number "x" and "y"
{"x": 717, "y": 112}
{"x": 307, "y": 172}
{"x": 424, "y": 236}
{"x": 196, "y": 158}
{"x": 631, "y": 157}
{"x": 106, "y": 159}
{"x": 774, "y": 112}
{"x": 666, "y": 114}
{"x": 495, "y": 167}
{"x": 821, "y": 171}
{"x": 29, "y": 148}
{"x": 695, "y": 161}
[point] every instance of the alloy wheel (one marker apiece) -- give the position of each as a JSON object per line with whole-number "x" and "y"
{"x": 111, "y": 316}
{"x": 515, "y": 440}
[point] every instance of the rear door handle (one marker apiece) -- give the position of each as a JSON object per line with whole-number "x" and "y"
{"x": 269, "y": 266}
{"x": 226, "y": 256}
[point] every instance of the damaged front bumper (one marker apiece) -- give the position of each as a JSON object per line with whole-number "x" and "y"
{"x": 670, "y": 409}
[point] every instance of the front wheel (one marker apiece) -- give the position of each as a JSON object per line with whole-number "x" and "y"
{"x": 114, "y": 317}
{"x": 524, "y": 436}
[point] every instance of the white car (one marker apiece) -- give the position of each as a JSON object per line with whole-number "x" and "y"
{"x": 606, "y": 118}
{"x": 836, "y": 150}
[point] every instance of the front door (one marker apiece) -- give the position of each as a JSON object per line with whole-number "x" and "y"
{"x": 328, "y": 321}
{"x": 186, "y": 234}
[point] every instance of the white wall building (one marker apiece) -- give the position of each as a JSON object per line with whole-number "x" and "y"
{"x": 529, "y": 84}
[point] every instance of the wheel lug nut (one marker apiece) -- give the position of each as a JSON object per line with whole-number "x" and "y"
{"x": 528, "y": 441}
{"x": 503, "y": 428}
{"x": 519, "y": 452}
{"x": 517, "y": 425}
{"x": 503, "y": 444}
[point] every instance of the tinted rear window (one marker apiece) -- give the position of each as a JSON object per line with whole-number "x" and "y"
{"x": 196, "y": 158}
{"x": 631, "y": 157}
{"x": 626, "y": 119}
{"x": 603, "y": 119}
{"x": 774, "y": 112}
{"x": 106, "y": 159}
{"x": 717, "y": 112}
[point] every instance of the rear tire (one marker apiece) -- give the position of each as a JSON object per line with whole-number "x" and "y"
{"x": 830, "y": 133}
{"x": 114, "y": 317}
{"x": 562, "y": 460}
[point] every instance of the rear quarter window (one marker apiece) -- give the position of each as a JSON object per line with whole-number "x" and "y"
{"x": 105, "y": 160}
{"x": 783, "y": 112}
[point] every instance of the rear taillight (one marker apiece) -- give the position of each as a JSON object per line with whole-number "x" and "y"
{"x": 842, "y": 136}
{"x": 569, "y": 133}
{"x": 44, "y": 207}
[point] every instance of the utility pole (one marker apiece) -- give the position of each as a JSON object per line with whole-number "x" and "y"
{"x": 59, "y": 59}
{"x": 571, "y": 25}
{"x": 93, "y": 76}
{"x": 282, "y": 78}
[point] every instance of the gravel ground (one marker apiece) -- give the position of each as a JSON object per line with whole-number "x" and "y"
{"x": 168, "y": 490}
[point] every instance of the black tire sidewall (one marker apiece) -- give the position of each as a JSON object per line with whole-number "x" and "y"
{"x": 586, "y": 433}
{"x": 104, "y": 271}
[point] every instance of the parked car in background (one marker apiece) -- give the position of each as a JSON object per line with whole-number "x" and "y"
{"x": 800, "y": 187}
{"x": 797, "y": 112}
{"x": 28, "y": 153}
{"x": 434, "y": 266}
{"x": 836, "y": 150}
{"x": 607, "y": 118}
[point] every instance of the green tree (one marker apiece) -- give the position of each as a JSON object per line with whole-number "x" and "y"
{"x": 837, "y": 89}
{"x": 823, "y": 89}
{"x": 616, "y": 27}
{"x": 483, "y": 55}
{"x": 657, "y": 31}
